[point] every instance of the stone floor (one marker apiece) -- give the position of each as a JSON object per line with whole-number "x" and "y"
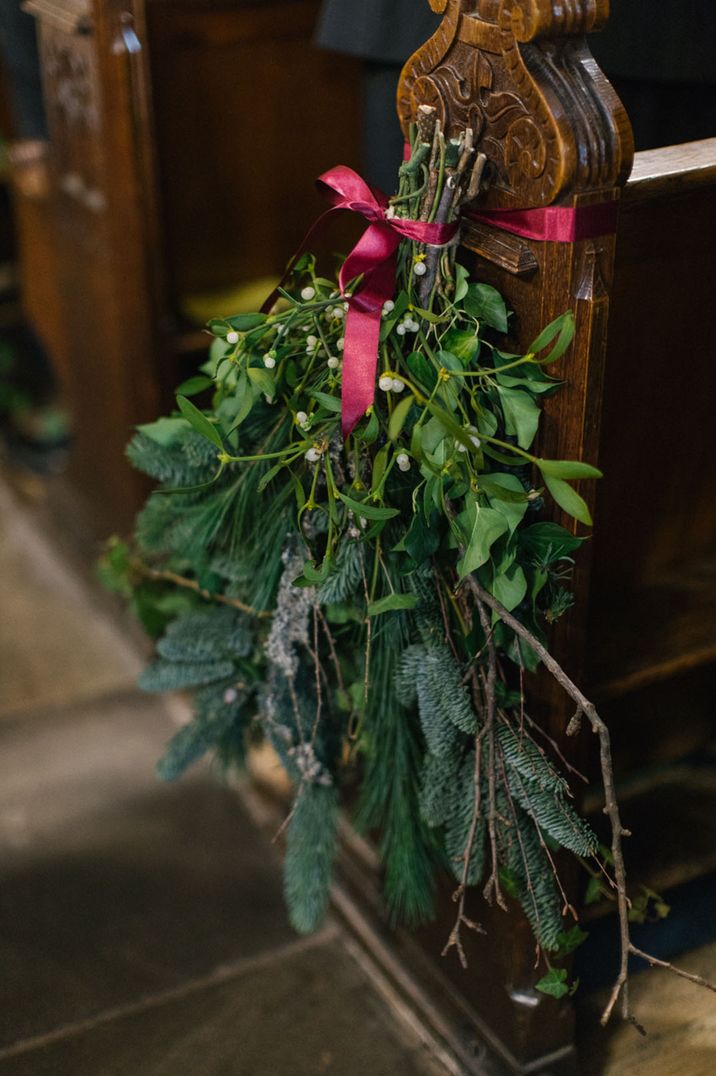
{"x": 142, "y": 927}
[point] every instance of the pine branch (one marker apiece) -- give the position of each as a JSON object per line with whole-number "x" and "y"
{"x": 620, "y": 990}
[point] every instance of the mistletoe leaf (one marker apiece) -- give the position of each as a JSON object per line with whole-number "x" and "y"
{"x": 392, "y": 602}
{"x": 568, "y": 469}
{"x": 198, "y": 420}
{"x": 398, "y": 418}
{"x": 368, "y": 511}
{"x": 568, "y": 499}
{"x": 563, "y": 329}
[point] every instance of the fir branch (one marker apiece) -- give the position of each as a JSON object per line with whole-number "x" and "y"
{"x": 620, "y": 990}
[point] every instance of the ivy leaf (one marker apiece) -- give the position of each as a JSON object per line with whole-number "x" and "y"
{"x": 392, "y": 602}
{"x": 397, "y": 419}
{"x": 368, "y": 511}
{"x": 421, "y": 369}
{"x": 548, "y": 542}
{"x": 486, "y": 304}
{"x": 568, "y": 499}
{"x": 462, "y": 343}
{"x": 521, "y": 415}
{"x": 569, "y": 940}
{"x": 506, "y": 496}
{"x": 461, "y": 278}
{"x": 488, "y": 525}
{"x": 509, "y": 587}
{"x": 421, "y": 540}
{"x": 563, "y": 329}
{"x": 554, "y": 983}
{"x": 200, "y": 422}
{"x": 568, "y": 469}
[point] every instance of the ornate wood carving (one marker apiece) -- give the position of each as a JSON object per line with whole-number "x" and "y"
{"x": 520, "y": 74}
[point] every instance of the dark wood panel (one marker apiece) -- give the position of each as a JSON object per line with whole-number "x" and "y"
{"x": 249, "y": 112}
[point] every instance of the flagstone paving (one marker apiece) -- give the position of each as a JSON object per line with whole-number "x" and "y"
{"x": 142, "y": 926}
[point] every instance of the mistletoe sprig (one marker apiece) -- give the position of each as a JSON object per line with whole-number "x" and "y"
{"x": 372, "y": 607}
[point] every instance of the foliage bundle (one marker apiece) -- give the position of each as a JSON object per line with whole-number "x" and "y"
{"x": 326, "y": 594}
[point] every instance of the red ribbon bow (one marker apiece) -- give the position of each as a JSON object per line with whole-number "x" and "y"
{"x": 374, "y": 259}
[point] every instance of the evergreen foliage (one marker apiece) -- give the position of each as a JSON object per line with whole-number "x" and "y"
{"x": 311, "y": 840}
{"x": 326, "y": 582}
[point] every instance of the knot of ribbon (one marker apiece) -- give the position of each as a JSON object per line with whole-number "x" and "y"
{"x": 374, "y": 260}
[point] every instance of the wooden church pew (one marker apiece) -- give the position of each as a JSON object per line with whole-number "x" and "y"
{"x": 640, "y": 381}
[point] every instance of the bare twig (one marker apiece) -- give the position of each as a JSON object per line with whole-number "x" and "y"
{"x": 164, "y": 576}
{"x": 493, "y": 883}
{"x": 611, "y": 808}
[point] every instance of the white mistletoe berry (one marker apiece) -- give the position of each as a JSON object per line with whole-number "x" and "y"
{"x": 313, "y": 455}
{"x": 230, "y": 695}
{"x": 400, "y": 329}
{"x": 333, "y": 363}
{"x": 385, "y": 383}
{"x": 232, "y": 337}
{"x": 420, "y": 268}
{"x": 403, "y": 461}
{"x": 301, "y": 418}
{"x": 269, "y": 361}
{"x": 308, "y": 293}
{"x": 397, "y": 385}
{"x": 340, "y": 343}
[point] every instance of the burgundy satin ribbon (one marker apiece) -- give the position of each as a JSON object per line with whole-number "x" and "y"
{"x": 374, "y": 259}
{"x": 552, "y": 224}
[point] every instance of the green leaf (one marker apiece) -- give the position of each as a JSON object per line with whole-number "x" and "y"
{"x": 548, "y": 542}
{"x": 509, "y": 587}
{"x": 371, "y": 430}
{"x": 429, "y": 316}
{"x": 392, "y": 602}
{"x": 521, "y": 415}
{"x": 243, "y": 323}
{"x": 506, "y": 496}
{"x": 486, "y": 304}
{"x": 368, "y": 511}
{"x": 269, "y": 476}
{"x": 461, "y": 278}
{"x": 563, "y": 329}
{"x": 246, "y": 397}
{"x": 422, "y": 370}
{"x": 263, "y": 380}
{"x": 571, "y": 939}
{"x": 421, "y": 540}
{"x": 568, "y": 499}
{"x": 397, "y": 419}
{"x": 165, "y": 431}
{"x": 193, "y": 385}
{"x": 568, "y": 469}
{"x": 380, "y": 462}
{"x": 462, "y": 343}
{"x": 331, "y": 403}
{"x": 317, "y": 575}
{"x": 554, "y": 983}
{"x": 487, "y": 526}
{"x": 200, "y": 422}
